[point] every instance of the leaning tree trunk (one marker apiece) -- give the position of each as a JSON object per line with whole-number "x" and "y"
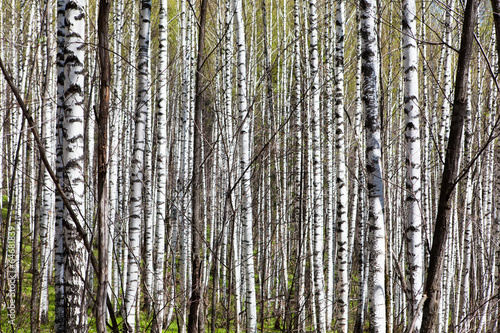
{"x": 435, "y": 271}
{"x": 369, "y": 70}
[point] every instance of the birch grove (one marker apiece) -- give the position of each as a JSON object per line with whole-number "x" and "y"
{"x": 249, "y": 166}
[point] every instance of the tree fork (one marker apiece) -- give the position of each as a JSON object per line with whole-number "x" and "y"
{"x": 432, "y": 286}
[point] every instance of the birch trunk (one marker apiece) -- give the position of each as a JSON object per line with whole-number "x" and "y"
{"x": 342, "y": 189}
{"x": 330, "y": 220}
{"x": 246, "y": 193}
{"x": 467, "y": 220}
{"x": 46, "y": 206}
{"x": 413, "y": 176}
{"x": 319, "y": 280}
{"x": 75, "y": 255}
{"x": 161, "y": 168}
{"x": 137, "y": 174}
{"x": 444, "y": 131}
{"x": 369, "y": 70}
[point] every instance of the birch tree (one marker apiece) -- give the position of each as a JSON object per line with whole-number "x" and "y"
{"x": 317, "y": 172}
{"x": 412, "y": 137}
{"x": 161, "y": 168}
{"x": 46, "y": 206}
{"x": 342, "y": 190}
{"x": 369, "y": 71}
{"x": 75, "y": 267}
{"x": 246, "y": 191}
{"x": 137, "y": 175}
{"x": 226, "y": 230}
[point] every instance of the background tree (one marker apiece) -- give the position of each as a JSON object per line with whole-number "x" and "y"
{"x": 286, "y": 140}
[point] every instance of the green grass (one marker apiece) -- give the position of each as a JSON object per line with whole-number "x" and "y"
{"x": 22, "y": 320}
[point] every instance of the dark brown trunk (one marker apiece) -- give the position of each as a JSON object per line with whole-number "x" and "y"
{"x": 35, "y": 290}
{"x": 195, "y": 313}
{"x": 449, "y": 179}
{"x": 495, "y": 5}
{"x": 102, "y": 164}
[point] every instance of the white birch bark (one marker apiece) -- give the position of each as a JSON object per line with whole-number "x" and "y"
{"x": 137, "y": 174}
{"x": 496, "y": 233}
{"x": 369, "y": 70}
{"x": 329, "y": 169}
{"x": 148, "y": 236}
{"x": 359, "y": 161}
{"x": 183, "y": 204}
{"x": 228, "y": 121}
{"x": 319, "y": 280}
{"x": 47, "y": 189}
{"x": 129, "y": 119}
{"x": 427, "y": 148}
{"x": 115, "y": 131}
{"x": 127, "y": 123}
{"x": 413, "y": 174}
{"x": 342, "y": 190}
{"x": 236, "y": 246}
{"x": 467, "y": 221}
{"x": 75, "y": 254}
{"x": 161, "y": 168}
{"x": 446, "y": 103}
{"x": 246, "y": 194}
{"x": 298, "y": 179}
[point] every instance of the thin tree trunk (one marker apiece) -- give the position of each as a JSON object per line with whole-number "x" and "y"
{"x": 342, "y": 188}
{"x": 317, "y": 172}
{"x": 161, "y": 167}
{"x": 412, "y": 137}
{"x": 102, "y": 166}
{"x": 467, "y": 221}
{"x": 196, "y": 313}
{"x": 330, "y": 162}
{"x": 60, "y": 323}
{"x": 46, "y": 114}
{"x": 137, "y": 175}
{"x": 246, "y": 190}
{"x": 35, "y": 285}
{"x": 432, "y": 289}
{"x": 369, "y": 70}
